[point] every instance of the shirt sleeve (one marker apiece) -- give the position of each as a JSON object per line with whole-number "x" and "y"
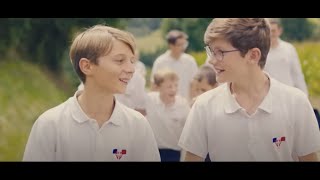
{"x": 193, "y": 138}
{"x": 41, "y": 142}
{"x": 307, "y": 134}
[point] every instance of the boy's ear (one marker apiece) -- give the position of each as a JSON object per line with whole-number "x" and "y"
{"x": 85, "y": 66}
{"x": 254, "y": 55}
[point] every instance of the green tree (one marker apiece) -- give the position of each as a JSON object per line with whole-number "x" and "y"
{"x": 296, "y": 29}
{"x": 44, "y": 40}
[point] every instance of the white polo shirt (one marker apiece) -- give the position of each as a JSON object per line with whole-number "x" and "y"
{"x": 185, "y": 67}
{"x": 66, "y": 133}
{"x": 283, "y": 127}
{"x": 135, "y": 95}
{"x": 283, "y": 64}
{"x": 167, "y": 121}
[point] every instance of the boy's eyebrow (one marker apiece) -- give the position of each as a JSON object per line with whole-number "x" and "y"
{"x": 120, "y": 56}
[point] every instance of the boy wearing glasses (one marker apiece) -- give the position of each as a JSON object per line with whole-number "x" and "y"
{"x": 251, "y": 117}
{"x": 176, "y": 59}
{"x": 92, "y": 125}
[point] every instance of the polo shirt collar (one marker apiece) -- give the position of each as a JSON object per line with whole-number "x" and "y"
{"x": 231, "y": 105}
{"x": 81, "y": 117}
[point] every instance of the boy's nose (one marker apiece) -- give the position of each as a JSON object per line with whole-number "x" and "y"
{"x": 212, "y": 61}
{"x": 130, "y": 68}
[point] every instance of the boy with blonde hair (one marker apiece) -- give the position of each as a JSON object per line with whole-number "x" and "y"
{"x": 167, "y": 112}
{"x": 92, "y": 125}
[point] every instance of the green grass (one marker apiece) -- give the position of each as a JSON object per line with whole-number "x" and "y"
{"x": 26, "y": 92}
{"x": 150, "y": 43}
{"x": 309, "y": 54}
{"x": 200, "y": 57}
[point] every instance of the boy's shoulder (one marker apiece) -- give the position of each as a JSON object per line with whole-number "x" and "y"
{"x": 162, "y": 57}
{"x": 287, "y": 45}
{"x": 52, "y": 115}
{"x": 287, "y": 93}
{"x": 188, "y": 56}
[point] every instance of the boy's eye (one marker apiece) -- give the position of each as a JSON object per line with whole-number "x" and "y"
{"x": 120, "y": 60}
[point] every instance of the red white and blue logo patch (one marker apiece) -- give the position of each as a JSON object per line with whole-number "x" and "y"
{"x": 277, "y": 140}
{"x": 119, "y": 153}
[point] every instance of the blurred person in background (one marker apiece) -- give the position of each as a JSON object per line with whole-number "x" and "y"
{"x": 203, "y": 81}
{"x": 167, "y": 112}
{"x": 283, "y": 61}
{"x": 176, "y": 59}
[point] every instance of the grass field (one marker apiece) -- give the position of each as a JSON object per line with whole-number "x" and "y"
{"x": 151, "y": 42}
{"x": 26, "y": 92}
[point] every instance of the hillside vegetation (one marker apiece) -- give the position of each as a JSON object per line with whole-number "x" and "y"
{"x": 26, "y": 92}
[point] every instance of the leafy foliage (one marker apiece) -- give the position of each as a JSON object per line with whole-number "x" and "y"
{"x": 22, "y": 100}
{"x": 296, "y": 29}
{"x": 200, "y": 57}
{"x": 44, "y": 40}
{"x": 309, "y": 58}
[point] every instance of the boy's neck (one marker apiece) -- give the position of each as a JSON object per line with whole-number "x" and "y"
{"x": 175, "y": 55}
{"x": 96, "y": 105}
{"x": 251, "y": 91}
{"x": 274, "y": 43}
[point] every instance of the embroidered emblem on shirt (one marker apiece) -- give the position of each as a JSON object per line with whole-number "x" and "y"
{"x": 119, "y": 153}
{"x": 278, "y": 141}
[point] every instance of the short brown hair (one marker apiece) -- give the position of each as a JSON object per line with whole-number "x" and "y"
{"x": 243, "y": 34}
{"x": 163, "y": 74}
{"x": 95, "y": 42}
{"x": 174, "y": 35}
{"x": 206, "y": 72}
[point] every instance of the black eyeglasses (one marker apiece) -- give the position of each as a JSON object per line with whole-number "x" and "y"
{"x": 217, "y": 54}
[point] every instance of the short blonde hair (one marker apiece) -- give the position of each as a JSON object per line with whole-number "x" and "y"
{"x": 243, "y": 34}
{"x": 162, "y": 74}
{"x": 95, "y": 42}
